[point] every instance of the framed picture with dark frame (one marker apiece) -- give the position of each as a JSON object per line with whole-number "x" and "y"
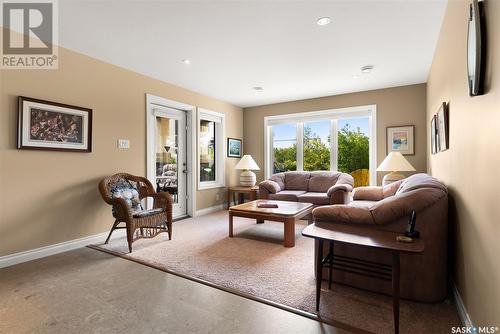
{"x": 401, "y": 139}
{"x": 442, "y": 127}
{"x": 234, "y": 148}
{"x": 434, "y": 142}
{"x": 52, "y": 126}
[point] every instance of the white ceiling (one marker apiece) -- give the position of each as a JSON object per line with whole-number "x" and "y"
{"x": 237, "y": 45}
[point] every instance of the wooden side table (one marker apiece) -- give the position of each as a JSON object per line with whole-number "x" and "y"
{"x": 361, "y": 237}
{"x": 241, "y": 191}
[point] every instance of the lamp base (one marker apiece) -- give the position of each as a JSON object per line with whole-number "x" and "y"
{"x": 392, "y": 177}
{"x": 247, "y": 178}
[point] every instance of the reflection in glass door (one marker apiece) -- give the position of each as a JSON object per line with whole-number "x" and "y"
{"x": 170, "y": 152}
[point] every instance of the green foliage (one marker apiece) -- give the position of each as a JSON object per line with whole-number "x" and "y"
{"x": 353, "y": 152}
{"x": 316, "y": 153}
{"x": 285, "y": 159}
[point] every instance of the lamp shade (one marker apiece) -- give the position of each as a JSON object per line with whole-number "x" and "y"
{"x": 247, "y": 163}
{"x": 395, "y": 162}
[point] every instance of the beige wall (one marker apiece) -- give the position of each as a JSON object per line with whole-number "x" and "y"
{"x": 395, "y": 106}
{"x": 51, "y": 197}
{"x": 469, "y": 166}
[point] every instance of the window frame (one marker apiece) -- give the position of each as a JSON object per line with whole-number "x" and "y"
{"x": 220, "y": 148}
{"x": 333, "y": 115}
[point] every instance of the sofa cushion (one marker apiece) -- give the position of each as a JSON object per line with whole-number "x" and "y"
{"x": 287, "y": 195}
{"x": 316, "y": 198}
{"x": 362, "y": 204}
{"x": 128, "y": 191}
{"x": 321, "y": 181}
{"x": 297, "y": 180}
{"x": 147, "y": 213}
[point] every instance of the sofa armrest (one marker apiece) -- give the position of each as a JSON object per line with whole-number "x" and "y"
{"x": 338, "y": 187}
{"x": 368, "y": 193}
{"x": 342, "y": 214}
{"x": 270, "y": 186}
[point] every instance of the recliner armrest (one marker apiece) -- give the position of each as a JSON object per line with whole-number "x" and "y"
{"x": 342, "y": 214}
{"x": 368, "y": 193}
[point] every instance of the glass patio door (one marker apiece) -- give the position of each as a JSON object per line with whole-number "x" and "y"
{"x": 170, "y": 156}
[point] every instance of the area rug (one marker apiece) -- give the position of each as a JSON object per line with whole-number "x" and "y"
{"x": 255, "y": 264}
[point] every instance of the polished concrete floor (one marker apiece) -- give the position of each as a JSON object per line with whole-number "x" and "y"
{"x": 87, "y": 291}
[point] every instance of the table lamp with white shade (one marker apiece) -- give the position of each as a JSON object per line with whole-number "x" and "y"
{"x": 247, "y": 177}
{"x": 394, "y": 163}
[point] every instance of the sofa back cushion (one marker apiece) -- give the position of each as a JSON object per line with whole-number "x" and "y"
{"x": 296, "y": 180}
{"x": 321, "y": 181}
{"x": 418, "y": 181}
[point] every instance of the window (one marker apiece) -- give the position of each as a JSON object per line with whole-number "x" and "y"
{"x": 284, "y": 148}
{"x": 339, "y": 139}
{"x": 210, "y": 149}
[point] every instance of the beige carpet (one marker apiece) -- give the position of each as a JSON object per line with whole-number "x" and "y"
{"x": 255, "y": 263}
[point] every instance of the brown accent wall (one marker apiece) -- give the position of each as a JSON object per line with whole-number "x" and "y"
{"x": 469, "y": 166}
{"x": 395, "y": 106}
{"x": 51, "y": 197}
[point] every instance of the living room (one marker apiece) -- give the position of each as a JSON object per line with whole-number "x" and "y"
{"x": 313, "y": 165}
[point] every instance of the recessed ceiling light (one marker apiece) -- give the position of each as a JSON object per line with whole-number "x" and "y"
{"x": 323, "y": 21}
{"x": 366, "y": 69}
{"x": 258, "y": 89}
{"x": 186, "y": 61}
{"x": 355, "y": 76}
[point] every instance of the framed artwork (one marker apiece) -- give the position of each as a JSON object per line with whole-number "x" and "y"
{"x": 45, "y": 125}
{"x": 442, "y": 127}
{"x": 434, "y": 148}
{"x": 401, "y": 139}
{"x": 234, "y": 148}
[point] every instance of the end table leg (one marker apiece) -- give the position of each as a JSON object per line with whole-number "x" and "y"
{"x": 319, "y": 271}
{"x": 230, "y": 224}
{"x": 395, "y": 290}
{"x": 330, "y": 269}
{"x": 228, "y": 199}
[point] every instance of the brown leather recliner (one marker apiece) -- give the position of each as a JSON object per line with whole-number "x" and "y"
{"x": 318, "y": 188}
{"x": 423, "y": 276}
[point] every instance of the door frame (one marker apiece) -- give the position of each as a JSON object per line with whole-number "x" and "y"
{"x": 151, "y": 102}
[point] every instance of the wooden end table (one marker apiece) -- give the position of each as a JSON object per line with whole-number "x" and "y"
{"x": 241, "y": 191}
{"x": 362, "y": 237}
{"x": 286, "y": 212}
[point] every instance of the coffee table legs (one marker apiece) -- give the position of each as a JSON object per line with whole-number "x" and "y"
{"x": 289, "y": 227}
{"x": 395, "y": 290}
{"x": 230, "y": 224}
{"x": 319, "y": 271}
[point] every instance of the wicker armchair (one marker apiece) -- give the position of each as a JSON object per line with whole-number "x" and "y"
{"x": 125, "y": 192}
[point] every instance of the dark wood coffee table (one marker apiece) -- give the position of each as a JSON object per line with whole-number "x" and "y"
{"x": 361, "y": 237}
{"x": 286, "y": 213}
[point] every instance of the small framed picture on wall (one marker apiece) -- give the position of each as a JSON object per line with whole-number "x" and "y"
{"x": 45, "y": 125}
{"x": 434, "y": 142}
{"x": 442, "y": 127}
{"x": 401, "y": 139}
{"x": 234, "y": 148}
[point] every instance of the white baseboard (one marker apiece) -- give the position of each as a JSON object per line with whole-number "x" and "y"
{"x": 462, "y": 311}
{"x": 211, "y": 209}
{"x": 12, "y": 259}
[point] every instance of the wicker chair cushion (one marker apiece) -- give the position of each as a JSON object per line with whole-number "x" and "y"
{"x": 126, "y": 190}
{"x": 147, "y": 213}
